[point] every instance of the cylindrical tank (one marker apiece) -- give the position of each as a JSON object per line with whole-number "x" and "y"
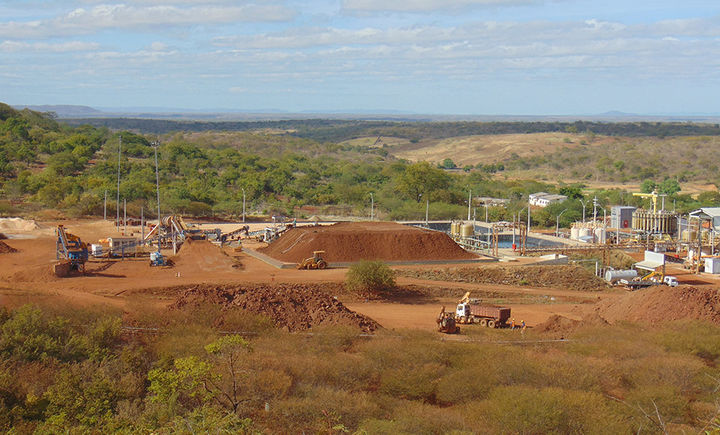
{"x": 612, "y": 276}
{"x": 574, "y": 233}
{"x": 600, "y": 235}
{"x": 467, "y": 230}
{"x": 584, "y": 232}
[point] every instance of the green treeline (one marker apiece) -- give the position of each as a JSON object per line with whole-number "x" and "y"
{"x": 64, "y": 370}
{"x": 46, "y": 164}
{"x": 324, "y": 130}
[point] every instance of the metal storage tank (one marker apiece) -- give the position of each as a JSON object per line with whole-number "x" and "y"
{"x": 574, "y": 233}
{"x": 613, "y": 276}
{"x": 467, "y": 230}
{"x": 600, "y": 235}
{"x": 585, "y": 232}
{"x": 454, "y": 228}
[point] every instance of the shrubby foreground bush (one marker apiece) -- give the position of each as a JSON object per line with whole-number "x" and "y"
{"x": 78, "y": 372}
{"x": 370, "y": 277}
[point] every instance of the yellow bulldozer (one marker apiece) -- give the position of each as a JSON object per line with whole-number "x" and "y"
{"x": 314, "y": 262}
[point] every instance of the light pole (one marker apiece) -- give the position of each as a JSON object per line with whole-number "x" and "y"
{"x": 427, "y": 212}
{"x": 372, "y": 207}
{"x": 117, "y": 199}
{"x": 243, "y": 204}
{"x": 528, "y": 225}
{"x": 583, "y": 204}
{"x": 557, "y": 223}
{"x": 469, "y": 202}
{"x": 156, "y": 145}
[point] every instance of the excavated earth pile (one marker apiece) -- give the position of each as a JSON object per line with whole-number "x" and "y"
{"x": 6, "y": 249}
{"x": 563, "y": 277}
{"x": 663, "y": 304}
{"x": 201, "y": 255}
{"x": 355, "y": 241}
{"x": 296, "y": 307}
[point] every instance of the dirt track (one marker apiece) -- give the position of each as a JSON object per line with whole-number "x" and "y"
{"x": 25, "y": 277}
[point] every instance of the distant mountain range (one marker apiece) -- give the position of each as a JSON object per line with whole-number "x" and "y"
{"x": 79, "y": 112}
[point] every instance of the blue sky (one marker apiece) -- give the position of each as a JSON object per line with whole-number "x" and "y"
{"x": 475, "y": 57}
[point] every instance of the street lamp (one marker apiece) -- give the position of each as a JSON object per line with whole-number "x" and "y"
{"x": 427, "y": 212}
{"x": 557, "y": 223}
{"x": 372, "y": 207}
{"x": 156, "y": 145}
{"x": 469, "y": 202}
{"x": 583, "y": 204}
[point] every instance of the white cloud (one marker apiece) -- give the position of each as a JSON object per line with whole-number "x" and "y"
{"x": 64, "y": 47}
{"x": 122, "y": 16}
{"x": 425, "y": 5}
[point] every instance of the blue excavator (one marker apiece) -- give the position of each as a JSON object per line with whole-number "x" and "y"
{"x": 70, "y": 248}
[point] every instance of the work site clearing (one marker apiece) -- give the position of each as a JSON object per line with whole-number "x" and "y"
{"x": 205, "y": 273}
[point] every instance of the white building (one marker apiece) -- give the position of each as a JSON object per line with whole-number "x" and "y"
{"x": 543, "y": 199}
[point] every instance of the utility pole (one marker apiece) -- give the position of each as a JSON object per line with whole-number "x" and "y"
{"x": 105, "y": 206}
{"x": 427, "y": 212}
{"x": 117, "y": 199}
{"x": 469, "y": 203}
{"x": 142, "y": 225}
{"x": 124, "y": 216}
{"x": 528, "y": 225}
{"x": 243, "y": 205}
{"x": 372, "y": 207}
{"x": 156, "y": 144}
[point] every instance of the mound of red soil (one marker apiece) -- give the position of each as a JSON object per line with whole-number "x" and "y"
{"x": 355, "y": 241}
{"x": 557, "y": 324}
{"x": 6, "y": 249}
{"x": 296, "y": 307}
{"x": 201, "y": 256}
{"x": 2, "y": 236}
{"x": 663, "y": 304}
{"x": 42, "y": 273}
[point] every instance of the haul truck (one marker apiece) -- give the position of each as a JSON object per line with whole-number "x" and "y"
{"x": 471, "y": 311}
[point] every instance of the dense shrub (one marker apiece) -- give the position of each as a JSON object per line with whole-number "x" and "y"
{"x": 370, "y": 277}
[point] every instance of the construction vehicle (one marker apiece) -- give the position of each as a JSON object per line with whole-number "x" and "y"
{"x": 314, "y": 262}
{"x": 71, "y": 249}
{"x": 446, "y": 322}
{"x": 472, "y": 311}
{"x": 653, "y": 278}
{"x": 157, "y": 259}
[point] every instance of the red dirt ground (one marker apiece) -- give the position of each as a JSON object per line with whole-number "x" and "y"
{"x": 355, "y": 241}
{"x": 26, "y": 277}
{"x": 662, "y": 304}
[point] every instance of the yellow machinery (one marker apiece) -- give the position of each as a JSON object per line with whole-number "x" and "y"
{"x": 314, "y": 262}
{"x": 446, "y": 322}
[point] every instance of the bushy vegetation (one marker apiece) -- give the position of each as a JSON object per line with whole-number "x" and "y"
{"x": 77, "y": 371}
{"x": 370, "y": 277}
{"x": 284, "y": 169}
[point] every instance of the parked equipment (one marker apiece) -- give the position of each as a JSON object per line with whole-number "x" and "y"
{"x": 446, "y": 322}
{"x": 314, "y": 262}
{"x": 157, "y": 259}
{"x": 472, "y": 311}
{"x": 70, "y": 248}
